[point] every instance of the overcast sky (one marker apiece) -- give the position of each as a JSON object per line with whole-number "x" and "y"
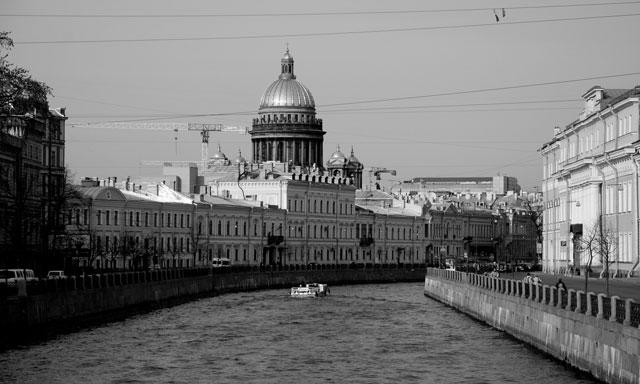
{"x": 461, "y": 134}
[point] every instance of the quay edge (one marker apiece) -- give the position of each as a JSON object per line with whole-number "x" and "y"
{"x": 606, "y": 349}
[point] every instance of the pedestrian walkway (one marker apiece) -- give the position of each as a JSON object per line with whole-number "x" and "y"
{"x": 621, "y": 286}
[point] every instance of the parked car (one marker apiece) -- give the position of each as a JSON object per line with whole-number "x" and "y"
{"x": 56, "y": 275}
{"x": 220, "y": 262}
{"x": 11, "y": 276}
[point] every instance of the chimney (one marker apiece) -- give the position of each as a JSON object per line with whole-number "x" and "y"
{"x": 63, "y": 111}
{"x": 556, "y": 130}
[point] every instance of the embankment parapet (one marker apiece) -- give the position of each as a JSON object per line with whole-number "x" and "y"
{"x": 591, "y": 332}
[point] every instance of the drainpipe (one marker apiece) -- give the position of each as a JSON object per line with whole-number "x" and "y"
{"x": 571, "y": 250}
{"x": 615, "y": 171}
{"x": 602, "y": 198}
{"x": 635, "y": 218}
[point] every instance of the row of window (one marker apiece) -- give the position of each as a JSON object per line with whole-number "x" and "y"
{"x": 624, "y": 198}
{"x": 130, "y": 218}
{"x": 319, "y": 206}
{"x": 624, "y": 248}
{"x": 319, "y": 255}
{"x": 296, "y": 231}
{"x": 134, "y": 244}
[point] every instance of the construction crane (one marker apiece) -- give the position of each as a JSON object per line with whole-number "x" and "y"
{"x": 203, "y": 128}
{"x": 375, "y": 172}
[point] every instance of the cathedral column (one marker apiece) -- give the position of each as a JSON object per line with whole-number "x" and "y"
{"x": 254, "y": 154}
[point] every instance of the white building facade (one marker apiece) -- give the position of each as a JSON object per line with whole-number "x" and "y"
{"x": 590, "y": 185}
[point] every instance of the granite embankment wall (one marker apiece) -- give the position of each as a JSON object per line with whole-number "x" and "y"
{"x": 53, "y": 306}
{"x": 593, "y": 333}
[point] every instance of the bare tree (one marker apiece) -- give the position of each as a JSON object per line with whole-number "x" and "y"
{"x": 599, "y": 243}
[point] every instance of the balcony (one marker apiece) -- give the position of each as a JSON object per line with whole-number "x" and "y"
{"x": 366, "y": 241}
{"x": 274, "y": 239}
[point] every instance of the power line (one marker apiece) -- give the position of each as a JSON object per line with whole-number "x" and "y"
{"x": 413, "y": 111}
{"x": 480, "y": 90}
{"x": 317, "y": 13}
{"x": 318, "y": 34}
{"x": 452, "y": 105}
{"x": 401, "y": 98}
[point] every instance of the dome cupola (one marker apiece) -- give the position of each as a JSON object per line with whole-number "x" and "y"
{"x": 286, "y": 91}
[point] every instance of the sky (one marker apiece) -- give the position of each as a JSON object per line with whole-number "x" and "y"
{"x": 427, "y": 88}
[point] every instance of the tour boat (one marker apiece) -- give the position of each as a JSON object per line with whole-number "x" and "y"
{"x": 310, "y": 290}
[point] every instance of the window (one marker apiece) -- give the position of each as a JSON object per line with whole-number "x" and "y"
{"x": 108, "y": 213}
{"x": 146, "y": 219}
{"x": 99, "y": 217}
{"x": 86, "y": 216}
{"x": 131, "y": 219}
{"x": 155, "y": 219}
{"x": 137, "y": 219}
{"x": 219, "y": 227}
{"x": 181, "y": 220}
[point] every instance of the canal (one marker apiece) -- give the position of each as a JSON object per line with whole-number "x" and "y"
{"x": 358, "y": 334}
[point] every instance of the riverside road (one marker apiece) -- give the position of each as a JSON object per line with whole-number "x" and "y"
{"x": 625, "y": 288}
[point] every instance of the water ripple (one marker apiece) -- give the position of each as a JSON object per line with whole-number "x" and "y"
{"x": 359, "y": 334}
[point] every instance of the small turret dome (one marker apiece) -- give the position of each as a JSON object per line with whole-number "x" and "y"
{"x": 337, "y": 159}
{"x": 219, "y": 155}
{"x": 240, "y": 159}
{"x": 353, "y": 160}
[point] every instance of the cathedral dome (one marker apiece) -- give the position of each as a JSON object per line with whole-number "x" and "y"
{"x": 287, "y": 91}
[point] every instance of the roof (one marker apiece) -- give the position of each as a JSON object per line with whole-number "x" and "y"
{"x": 372, "y": 195}
{"x": 398, "y": 211}
{"x": 451, "y": 179}
{"x": 165, "y": 194}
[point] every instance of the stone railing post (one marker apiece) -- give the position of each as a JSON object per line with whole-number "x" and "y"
{"x": 614, "y": 308}
{"x": 589, "y": 305}
{"x": 559, "y": 303}
{"x": 627, "y": 311}
{"x": 538, "y": 290}
{"x": 554, "y": 296}
{"x": 600, "y": 314}
{"x": 570, "y": 293}
{"x": 579, "y": 301}
{"x": 544, "y": 294}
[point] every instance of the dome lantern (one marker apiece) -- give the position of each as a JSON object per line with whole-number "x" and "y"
{"x": 287, "y": 66}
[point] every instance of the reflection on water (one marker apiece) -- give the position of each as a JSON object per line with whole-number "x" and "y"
{"x": 358, "y": 334}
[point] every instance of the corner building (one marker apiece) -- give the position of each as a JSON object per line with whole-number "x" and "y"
{"x": 590, "y": 184}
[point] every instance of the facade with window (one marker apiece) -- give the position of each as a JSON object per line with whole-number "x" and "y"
{"x": 590, "y": 186}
